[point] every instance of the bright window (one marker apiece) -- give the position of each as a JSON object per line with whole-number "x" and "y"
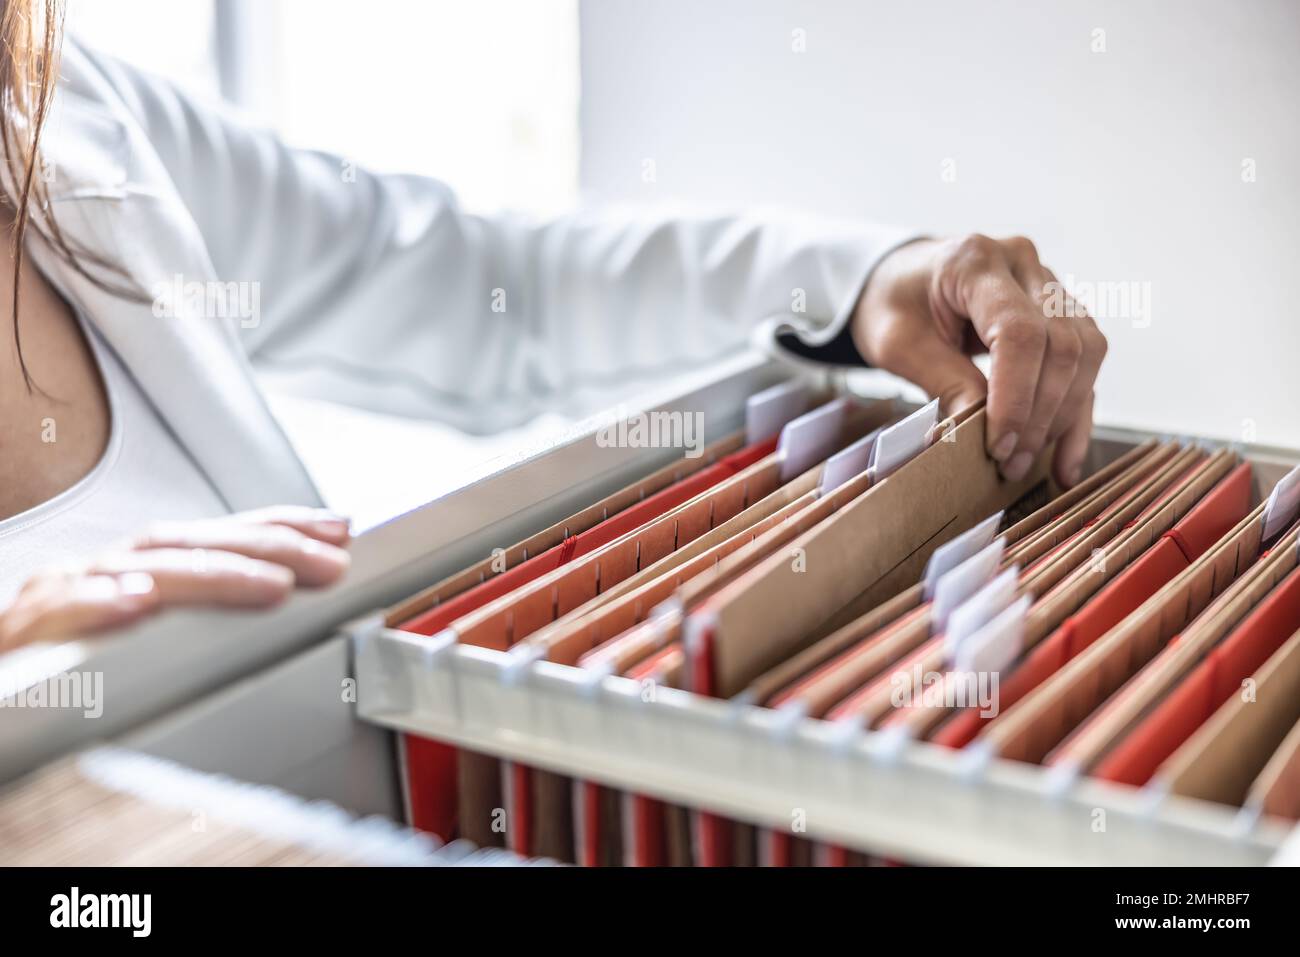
{"x": 482, "y": 94}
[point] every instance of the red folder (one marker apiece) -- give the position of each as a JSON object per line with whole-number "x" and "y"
{"x": 431, "y": 770}
{"x": 649, "y": 833}
{"x": 441, "y": 616}
{"x": 1208, "y": 521}
{"x": 1211, "y": 683}
{"x": 431, "y": 766}
{"x": 588, "y": 798}
{"x": 519, "y": 797}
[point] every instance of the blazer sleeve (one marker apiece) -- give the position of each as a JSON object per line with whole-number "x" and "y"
{"x": 381, "y": 291}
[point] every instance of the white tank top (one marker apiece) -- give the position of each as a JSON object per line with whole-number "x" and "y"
{"x": 145, "y": 475}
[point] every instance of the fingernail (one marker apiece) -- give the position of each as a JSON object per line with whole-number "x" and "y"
{"x": 333, "y": 527}
{"x": 1015, "y": 469}
{"x": 1072, "y": 474}
{"x": 99, "y": 588}
{"x": 133, "y": 584}
{"x": 1006, "y": 445}
{"x": 324, "y": 550}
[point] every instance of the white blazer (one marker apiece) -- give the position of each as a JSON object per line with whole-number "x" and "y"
{"x": 380, "y": 291}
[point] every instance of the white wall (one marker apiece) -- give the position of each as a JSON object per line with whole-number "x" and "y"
{"x": 1123, "y": 165}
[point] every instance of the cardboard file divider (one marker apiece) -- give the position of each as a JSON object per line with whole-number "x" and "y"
{"x": 1205, "y": 524}
{"x": 982, "y": 636}
{"x": 1276, "y": 791}
{"x": 1119, "y": 539}
{"x": 627, "y": 631}
{"x": 1135, "y": 640}
{"x": 1071, "y": 497}
{"x": 430, "y": 767}
{"x": 768, "y": 686}
{"x": 1068, "y": 696}
{"x": 862, "y": 619}
{"x": 899, "y": 522}
{"x": 1110, "y": 525}
{"x": 1060, "y": 706}
{"x": 749, "y": 624}
{"x": 607, "y": 562}
{"x": 1058, "y": 575}
{"x": 478, "y": 624}
{"x": 816, "y": 678}
{"x": 1150, "y": 684}
{"x": 1088, "y": 511}
{"x": 444, "y": 614}
{"x": 1061, "y": 576}
{"x": 862, "y": 626}
{"x": 582, "y": 634}
{"x": 1224, "y": 758}
{"x": 528, "y": 608}
{"x": 590, "y": 516}
{"x": 575, "y": 584}
{"x": 1206, "y": 688}
{"x": 902, "y": 577}
{"x": 611, "y": 637}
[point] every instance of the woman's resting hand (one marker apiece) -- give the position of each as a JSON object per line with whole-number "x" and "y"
{"x": 247, "y": 560}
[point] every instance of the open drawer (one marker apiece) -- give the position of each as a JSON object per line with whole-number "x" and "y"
{"x": 873, "y": 791}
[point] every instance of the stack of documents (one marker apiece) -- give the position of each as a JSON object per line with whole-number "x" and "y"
{"x": 112, "y": 806}
{"x": 845, "y": 561}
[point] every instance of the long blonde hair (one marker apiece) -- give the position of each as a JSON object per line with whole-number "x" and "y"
{"x": 30, "y": 38}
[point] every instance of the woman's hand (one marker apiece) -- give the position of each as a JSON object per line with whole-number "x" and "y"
{"x": 247, "y": 560}
{"x": 932, "y": 304}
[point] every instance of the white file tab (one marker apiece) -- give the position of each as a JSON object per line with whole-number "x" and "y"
{"x": 1283, "y": 503}
{"x": 844, "y": 465}
{"x": 951, "y": 554}
{"x": 962, "y": 582}
{"x": 810, "y": 438}
{"x": 997, "y": 644}
{"x": 901, "y": 442}
{"x": 767, "y": 412}
{"x": 978, "y": 610}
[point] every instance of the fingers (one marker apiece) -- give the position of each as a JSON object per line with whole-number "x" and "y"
{"x": 312, "y": 563}
{"x": 1072, "y": 446}
{"x": 318, "y": 523}
{"x": 1057, "y": 375}
{"x": 56, "y": 606}
{"x": 249, "y": 560}
{"x": 198, "y": 576}
{"x": 1077, "y": 404}
{"x": 983, "y": 288}
{"x": 1043, "y": 363}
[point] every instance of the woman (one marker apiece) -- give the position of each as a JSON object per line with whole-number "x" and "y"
{"x": 127, "y": 401}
